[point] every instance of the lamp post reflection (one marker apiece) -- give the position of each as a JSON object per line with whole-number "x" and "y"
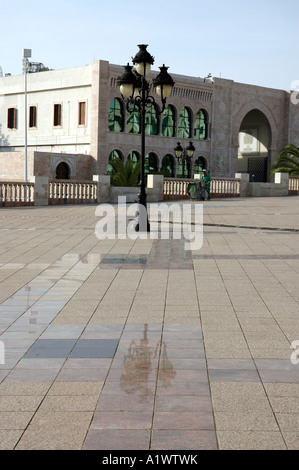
{"x": 139, "y": 364}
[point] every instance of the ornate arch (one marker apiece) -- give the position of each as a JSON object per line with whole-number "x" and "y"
{"x": 243, "y": 111}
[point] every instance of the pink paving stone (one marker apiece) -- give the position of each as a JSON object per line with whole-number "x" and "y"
{"x": 117, "y": 439}
{"x": 121, "y": 420}
{"x": 183, "y": 440}
{"x": 183, "y": 420}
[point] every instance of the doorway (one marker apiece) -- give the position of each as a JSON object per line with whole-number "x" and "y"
{"x": 257, "y": 169}
{"x": 63, "y": 171}
{"x": 254, "y": 145}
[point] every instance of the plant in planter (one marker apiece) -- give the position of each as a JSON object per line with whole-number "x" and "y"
{"x": 287, "y": 161}
{"x": 125, "y": 174}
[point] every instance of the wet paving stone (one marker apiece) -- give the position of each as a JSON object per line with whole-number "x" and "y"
{"x": 63, "y": 348}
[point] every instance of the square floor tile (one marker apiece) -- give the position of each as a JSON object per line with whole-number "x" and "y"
{"x": 95, "y": 348}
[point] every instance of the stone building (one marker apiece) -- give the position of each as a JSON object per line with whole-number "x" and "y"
{"x": 77, "y": 122}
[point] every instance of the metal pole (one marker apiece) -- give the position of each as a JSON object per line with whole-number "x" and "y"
{"x": 26, "y": 55}
{"x": 143, "y": 223}
{"x": 26, "y": 121}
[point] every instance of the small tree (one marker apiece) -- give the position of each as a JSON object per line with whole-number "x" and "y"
{"x": 287, "y": 161}
{"x": 125, "y": 174}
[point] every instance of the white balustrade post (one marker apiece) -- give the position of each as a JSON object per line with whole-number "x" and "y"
{"x": 41, "y": 190}
{"x": 244, "y": 183}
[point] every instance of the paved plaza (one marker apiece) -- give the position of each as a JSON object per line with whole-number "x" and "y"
{"x": 122, "y": 344}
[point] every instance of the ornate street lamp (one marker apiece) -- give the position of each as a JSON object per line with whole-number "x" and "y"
{"x": 184, "y": 154}
{"x": 135, "y": 91}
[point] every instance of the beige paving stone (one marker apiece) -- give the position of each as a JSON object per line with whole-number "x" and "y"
{"x": 75, "y": 388}
{"x": 282, "y": 389}
{"x": 227, "y": 353}
{"x": 15, "y": 419}
{"x": 259, "y": 420}
{"x": 69, "y": 403}
{"x": 74, "y": 318}
{"x": 285, "y": 404}
{"x": 9, "y": 438}
{"x": 291, "y": 439}
{"x": 60, "y": 419}
{"x": 53, "y": 439}
{"x": 20, "y": 403}
{"x": 270, "y": 352}
{"x": 24, "y": 388}
{"x": 232, "y": 403}
{"x": 288, "y": 421}
{"x": 222, "y": 390}
{"x": 250, "y": 440}
{"x": 253, "y": 324}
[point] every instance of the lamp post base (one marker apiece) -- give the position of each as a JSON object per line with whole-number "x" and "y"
{"x": 141, "y": 223}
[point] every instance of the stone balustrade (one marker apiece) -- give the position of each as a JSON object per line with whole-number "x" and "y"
{"x": 293, "y": 185}
{"x": 177, "y": 188}
{"x": 40, "y": 191}
{"x": 16, "y": 193}
{"x": 72, "y": 192}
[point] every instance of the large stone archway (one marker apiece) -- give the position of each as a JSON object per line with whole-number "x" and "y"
{"x": 254, "y": 141}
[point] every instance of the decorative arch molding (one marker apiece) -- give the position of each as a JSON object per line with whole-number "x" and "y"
{"x": 69, "y": 161}
{"x": 118, "y": 150}
{"x": 243, "y": 111}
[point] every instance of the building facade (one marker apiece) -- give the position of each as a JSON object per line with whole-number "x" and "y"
{"x": 77, "y": 122}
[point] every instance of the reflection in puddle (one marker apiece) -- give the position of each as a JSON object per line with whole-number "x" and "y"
{"x": 139, "y": 366}
{"x": 167, "y": 372}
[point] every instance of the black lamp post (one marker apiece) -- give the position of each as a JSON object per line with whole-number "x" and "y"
{"x": 184, "y": 154}
{"x": 135, "y": 91}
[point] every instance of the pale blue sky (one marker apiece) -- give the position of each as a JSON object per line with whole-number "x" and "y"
{"x": 254, "y": 42}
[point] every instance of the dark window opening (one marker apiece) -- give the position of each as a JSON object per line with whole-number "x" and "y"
{"x": 82, "y": 111}
{"x": 32, "y": 116}
{"x": 12, "y": 118}
{"x": 57, "y": 115}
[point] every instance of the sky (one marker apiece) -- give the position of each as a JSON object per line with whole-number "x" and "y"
{"x": 254, "y": 42}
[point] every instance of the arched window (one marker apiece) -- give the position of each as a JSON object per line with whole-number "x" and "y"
{"x": 151, "y": 120}
{"x": 184, "y": 125}
{"x": 168, "y": 166}
{"x": 116, "y": 116}
{"x": 199, "y": 165}
{"x": 201, "y": 125}
{"x": 134, "y": 156}
{"x": 114, "y": 154}
{"x": 169, "y": 122}
{"x": 133, "y": 121}
{"x": 151, "y": 163}
{"x": 63, "y": 171}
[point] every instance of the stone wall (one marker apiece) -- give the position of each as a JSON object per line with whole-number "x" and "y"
{"x": 12, "y": 166}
